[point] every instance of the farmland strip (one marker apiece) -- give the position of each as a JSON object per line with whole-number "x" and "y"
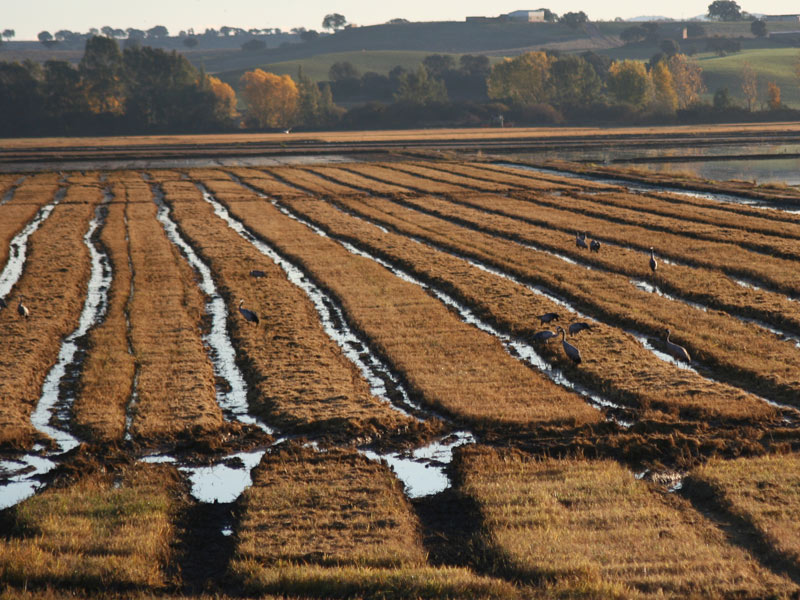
{"x": 337, "y": 525}
{"x": 264, "y": 181}
{"x": 717, "y": 341}
{"x": 175, "y": 391}
{"x": 444, "y": 175}
{"x": 514, "y": 309}
{"x": 53, "y": 285}
{"x": 303, "y": 382}
{"x": 588, "y": 527}
{"x": 446, "y": 362}
{"x": 107, "y": 377}
{"x": 762, "y": 494}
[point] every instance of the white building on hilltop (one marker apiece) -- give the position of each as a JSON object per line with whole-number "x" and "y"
{"x": 530, "y": 16}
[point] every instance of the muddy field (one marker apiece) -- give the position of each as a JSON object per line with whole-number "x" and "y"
{"x": 417, "y": 377}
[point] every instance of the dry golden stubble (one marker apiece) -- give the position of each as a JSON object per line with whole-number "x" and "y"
{"x": 107, "y": 376}
{"x": 589, "y": 528}
{"x": 302, "y": 380}
{"x": 305, "y": 180}
{"x": 614, "y": 361}
{"x": 343, "y": 175}
{"x": 446, "y": 362}
{"x": 176, "y": 385}
{"x": 386, "y": 173}
{"x": 53, "y": 286}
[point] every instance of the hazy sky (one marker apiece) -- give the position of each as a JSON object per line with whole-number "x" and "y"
{"x": 29, "y": 17}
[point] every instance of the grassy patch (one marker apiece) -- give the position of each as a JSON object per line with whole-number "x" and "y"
{"x": 588, "y": 528}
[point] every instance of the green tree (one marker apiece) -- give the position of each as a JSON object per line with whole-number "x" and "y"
{"x": 723, "y": 99}
{"x": 20, "y": 96}
{"x": 759, "y": 28}
{"x": 476, "y": 65}
{"x": 420, "y": 88}
{"x": 522, "y": 80}
{"x": 438, "y": 64}
{"x": 101, "y": 71}
{"x": 574, "y": 19}
{"x": 9, "y": 33}
{"x": 62, "y": 90}
{"x": 629, "y": 83}
{"x": 342, "y": 71}
{"x": 309, "y": 100}
{"x": 574, "y": 81}
{"x": 46, "y": 38}
{"x": 158, "y": 32}
{"x": 724, "y": 10}
{"x": 334, "y": 22}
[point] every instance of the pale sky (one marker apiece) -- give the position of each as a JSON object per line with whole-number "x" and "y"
{"x": 29, "y": 17}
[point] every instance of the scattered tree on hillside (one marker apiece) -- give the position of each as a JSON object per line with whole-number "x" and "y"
{"x": 476, "y": 65}
{"x": 759, "y": 28}
{"x": 157, "y": 32}
{"x": 310, "y": 35}
{"x": 574, "y": 82}
{"x": 225, "y": 99}
{"x": 522, "y": 80}
{"x": 687, "y": 78}
{"x": 272, "y": 100}
{"x": 574, "y": 19}
{"x": 334, "y": 22}
{"x": 633, "y": 34}
{"x": 773, "y": 96}
{"x": 722, "y": 99}
{"x": 190, "y": 41}
{"x": 343, "y": 70}
{"x": 107, "y": 31}
{"x": 669, "y": 47}
{"x": 629, "y": 83}
{"x": 9, "y": 33}
{"x": 46, "y": 38}
{"x": 749, "y": 85}
{"x": 101, "y": 73}
{"x": 420, "y": 88}
{"x": 724, "y": 10}
{"x": 665, "y": 99}
{"x": 397, "y": 21}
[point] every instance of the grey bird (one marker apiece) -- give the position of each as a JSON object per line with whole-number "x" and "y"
{"x": 580, "y": 240}
{"x": 3, "y": 303}
{"x": 578, "y": 327}
{"x": 543, "y": 336}
{"x": 248, "y": 314}
{"x": 653, "y": 263}
{"x": 571, "y": 351}
{"x": 547, "y": 317}
{"x": 257, "y": 273}
{"x": 594, "y": 246}
{"x": 22, "y": 310}
{"x": 676, "y": 351}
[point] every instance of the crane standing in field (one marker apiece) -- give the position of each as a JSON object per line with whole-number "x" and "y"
{"x": 247, "y": 313}
{"x": 594, "y": 246}
{"x": 22, "y": 310}
{"x": 677, "y": 351}
{"x": 547, "y": 317}
{"x": 571, "y": 351}
{"x": 580, "y": 240}
{"x": 653, "y": 263}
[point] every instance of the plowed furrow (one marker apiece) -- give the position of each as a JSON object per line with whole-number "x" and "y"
{"x": 388, "y": 174}
{"x": 176, "y": 393}
{"x": 738, "y": 352}
{"x": 300, "y": 178}
{"x": 53, "y": 286}
{"x": 450, "y": 365}
{"x": 107, "y": 376}
{"x": 303, "y": 382}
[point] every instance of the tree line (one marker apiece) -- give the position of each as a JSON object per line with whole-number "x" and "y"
{"x": 145, "y": 90}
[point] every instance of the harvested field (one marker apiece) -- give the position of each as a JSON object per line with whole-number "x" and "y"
{"x": 590, "y": 528}
{"x": 347, "y": 370}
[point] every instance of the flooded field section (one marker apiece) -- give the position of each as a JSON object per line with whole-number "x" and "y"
{"x": 418, "y": 377}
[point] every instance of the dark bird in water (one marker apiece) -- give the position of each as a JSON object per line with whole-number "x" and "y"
{"x": 547, "y": 317}
{"x": 22, "y": 310}
{"x": 677, "y": 351}
{"x": 257, "y": 273}
{"x": 653, "y": 263}
{"x": 578, "y": 327}
{"x": 543, "y": 336}
{"x": 248, "y": 314}
{"x": 580, "y": 240}
{"x": 594, "y": 246}
{"x": 571, "y": 351}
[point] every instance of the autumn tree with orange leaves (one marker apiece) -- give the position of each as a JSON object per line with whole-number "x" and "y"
{"x": 225, "y": 106}
{"x": 272, "y": 100}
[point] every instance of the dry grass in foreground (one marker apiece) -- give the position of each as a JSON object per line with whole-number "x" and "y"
{"x": 582, "y": 528}
{"x": 107, "y": 375}
{"x": 96, "y": 534}
{"x": 764, "y": 492}
{"x": 335, "y": 525}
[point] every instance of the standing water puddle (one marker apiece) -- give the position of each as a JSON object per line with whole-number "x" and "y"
{"x": 9, "y": 195}
{"x": 52, "y": 413}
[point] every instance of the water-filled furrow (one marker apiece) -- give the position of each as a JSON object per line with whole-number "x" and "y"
{"x": 232, "y": 398}
{"x": 517, "y": 348}
{"x": 19, "y": 245}
{"x": 383, "y": 383}
{"x": 9, "y": 195}
{"x": 130, "y": 408}
{"x": 52, "y": 413}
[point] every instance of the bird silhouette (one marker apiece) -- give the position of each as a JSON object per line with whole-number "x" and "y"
{"x": 248, "y": 314}
{"x": 653, "y": 263}
{"x": 580, "y": 240}
{"x": 594, "y": 246}
{"x": 547, "y": 317}
{"x": 578, "y": 327}
{"x": 543, "y": 336}
{"x": 22, "y": 310}
{"x": 677, "y": 351}
{"x": 571, "y": 351}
